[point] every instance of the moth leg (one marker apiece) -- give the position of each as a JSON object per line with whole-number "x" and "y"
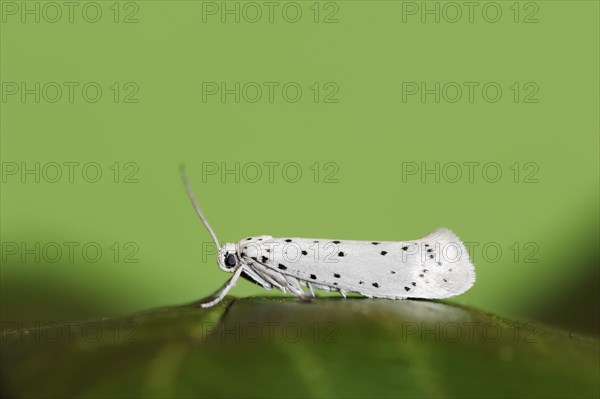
{"x": 307, "y": 298}
{"x": 300, "y": 294}
{"x": 219, "y": 294}
{"x": 312, "y": 292}
{"x": 256, "y": 277}
{"x": 343, "y": 292}
{"x": 294, "y": 286}
{"x": 263, "y": 272}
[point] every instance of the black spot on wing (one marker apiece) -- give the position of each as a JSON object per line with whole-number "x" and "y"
{"x": 336, "y": 242}
{"x": 405, "y": 248}
{"x": 282, "y": 267}
{"x": 304, "y": 253}
{"x": 264, "y": 259}
{"x": 376, "y": 285}
{"x": 383, "y": 253}
{"x": 288, "y": 240}
{"x": 313, "y": 276}
{"x": 341, "y": 254}
{"x": 336, "y": 275}
{"x": 407, "y": 288}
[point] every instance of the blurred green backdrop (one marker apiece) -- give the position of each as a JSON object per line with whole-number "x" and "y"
{"x": 371, "y": 95}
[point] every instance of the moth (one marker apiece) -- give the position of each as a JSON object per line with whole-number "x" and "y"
{"x": 433, "y": 267}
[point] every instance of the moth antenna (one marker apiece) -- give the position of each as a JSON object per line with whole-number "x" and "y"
{"x": 192, "y": 197}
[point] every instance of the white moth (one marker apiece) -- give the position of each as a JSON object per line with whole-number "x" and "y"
{"x": 434, "y": 267}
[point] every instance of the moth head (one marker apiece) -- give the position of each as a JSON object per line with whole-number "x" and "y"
{"x": 228, "y": 258}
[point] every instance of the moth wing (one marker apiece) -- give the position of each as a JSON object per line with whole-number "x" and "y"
{"x": 435, "y": 266}
{"x": 446, "y": 269}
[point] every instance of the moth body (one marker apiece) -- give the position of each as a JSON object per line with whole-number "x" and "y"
{"x": 436, "y": 266}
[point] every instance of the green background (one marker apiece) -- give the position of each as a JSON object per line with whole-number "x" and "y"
{"x": 369, "y": 134}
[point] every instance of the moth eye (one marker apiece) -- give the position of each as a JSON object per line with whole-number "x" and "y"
{"x": 230, "y": 260}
